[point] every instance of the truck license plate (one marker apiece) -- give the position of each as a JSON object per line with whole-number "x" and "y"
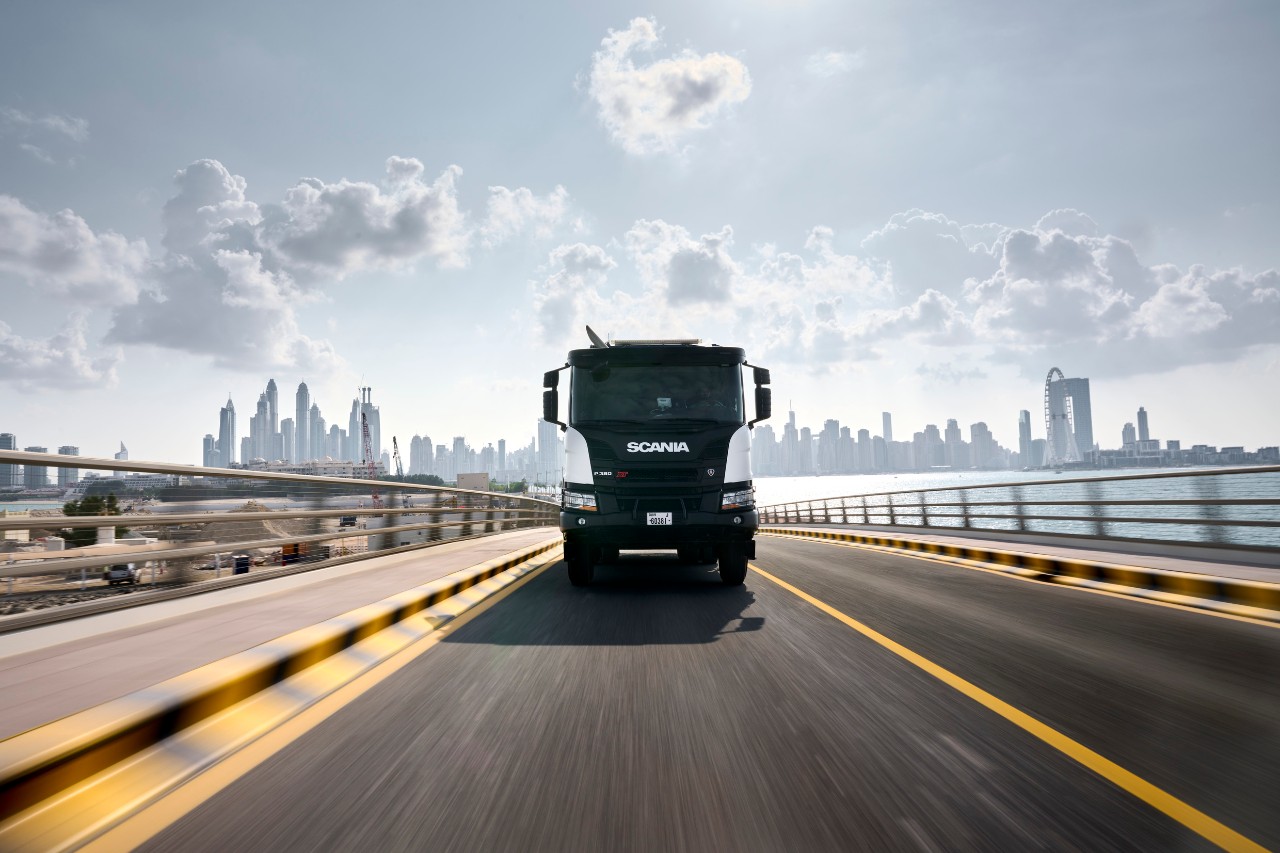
{"x": 659, "y": 518}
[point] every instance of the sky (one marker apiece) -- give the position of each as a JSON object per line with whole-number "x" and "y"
{"x": 915, "y": 207}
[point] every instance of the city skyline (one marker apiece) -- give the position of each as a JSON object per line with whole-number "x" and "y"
{"x": 542, "y": 455}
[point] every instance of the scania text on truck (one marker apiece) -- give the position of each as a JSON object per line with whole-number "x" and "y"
{"x": 657, "y": 453}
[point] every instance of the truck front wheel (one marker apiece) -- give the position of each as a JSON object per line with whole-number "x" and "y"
{"x": 577, "y": 557}
{"x": 733, "y": 564}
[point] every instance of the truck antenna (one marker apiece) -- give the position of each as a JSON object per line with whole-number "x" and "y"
{"x": 596, "y": 342}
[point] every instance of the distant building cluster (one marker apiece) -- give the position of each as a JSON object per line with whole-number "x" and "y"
{"x": 1068, "y": 442}
{"x": 293, "y": 444}
{"x": 307, "y": 444}
{"x": 837, "y": 449}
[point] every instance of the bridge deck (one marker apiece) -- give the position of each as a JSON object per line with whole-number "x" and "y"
{"x": 55, "y": 670}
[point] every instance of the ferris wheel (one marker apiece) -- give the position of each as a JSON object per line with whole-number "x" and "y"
{"x": 1059, "y": 422}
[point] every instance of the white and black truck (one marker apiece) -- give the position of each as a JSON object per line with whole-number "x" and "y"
{"x": 657, "y": 453}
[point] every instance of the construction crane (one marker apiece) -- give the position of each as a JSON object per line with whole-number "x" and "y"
{"x": 395, "y": 454}
{"x": 371, "y": 469}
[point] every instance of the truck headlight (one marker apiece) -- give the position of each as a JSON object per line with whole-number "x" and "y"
{"x": 579, "y": 500}
{"x": 739, "y": 499}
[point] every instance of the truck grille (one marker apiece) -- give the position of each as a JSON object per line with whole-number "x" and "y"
{"x": 662, "y": 475}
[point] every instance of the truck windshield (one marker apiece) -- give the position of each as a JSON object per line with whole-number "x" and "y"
{"x": 650, "y": 393}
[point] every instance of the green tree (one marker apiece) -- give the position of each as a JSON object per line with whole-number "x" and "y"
{"x": 89, "y": 505}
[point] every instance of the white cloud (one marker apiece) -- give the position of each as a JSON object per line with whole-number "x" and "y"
{"x": 1070, "y": 222}
{"x": 574, "y": 274}
{"x": 63, "y": 256}
{"x": 511, "y": 212}
{"x": 63, "y": 361}
{"x": 829, "y": 63}
{"x": 349, "y": 226}
{"x": 650, "y": 109}
{"x": 75, "y": 129}
{"x": 928, "y": 250}
{"x": 684, "y": 269}
{"x": 37, "y": 152}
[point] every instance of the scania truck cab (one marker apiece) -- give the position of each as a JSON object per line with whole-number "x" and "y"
{"x": 657, "y": 453}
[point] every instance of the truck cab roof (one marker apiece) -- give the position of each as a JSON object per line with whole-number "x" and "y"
{"x": 660, "y": 352}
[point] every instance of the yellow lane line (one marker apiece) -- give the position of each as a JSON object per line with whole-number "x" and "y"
{"x": 1061, "y": 582}
{"x": 150, "y": 821}
{"x": 1190, "y": 817}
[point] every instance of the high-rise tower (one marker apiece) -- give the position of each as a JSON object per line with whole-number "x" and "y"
{"x": 8, "y": 473}
{"x": 1068, "y": 415}
{"x": 227, "y": 434}
{"x": 1024, "y": 440}
{"x": 273, "y": 408}
{"x": 302, "y": 424}
{"x": 1144, "y": 434}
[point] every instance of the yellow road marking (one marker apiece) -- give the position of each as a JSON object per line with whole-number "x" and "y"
{"x": 1190, "y": 817}
{"x": 974, "y": 565}
{"x": 150, "y": 821}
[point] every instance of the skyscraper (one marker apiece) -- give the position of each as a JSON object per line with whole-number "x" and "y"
{"x": 227, "y": 434}
{"x": 302, "y": 424}
{"x": 1069, "y": 412}
{"x": 123, "y": 455}
{"x": 317, "y": 426}
{"x": 67, "y": 476}
{"x": 273, "y": 408}
{"x": 209, "y": 452}
{"x": 35, "y": 476}
{"x": 1128, "y": 436}
{"x": 887, "y": 422}
{"x": 8, "y": 473}
{"x": 288, "y": 441}
{"x": 1144, "y": 434}
{"x": 1024, "y": 440}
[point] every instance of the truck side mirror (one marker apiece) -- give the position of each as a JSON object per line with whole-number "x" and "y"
{"x": 551, "y": 379}
{"x": 550, "y": 406}
{"x": 764, "y": 404}
{"x": 761, "y": 375}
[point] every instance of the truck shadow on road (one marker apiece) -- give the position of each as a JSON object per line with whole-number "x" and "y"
{"x": 640, "y": 600}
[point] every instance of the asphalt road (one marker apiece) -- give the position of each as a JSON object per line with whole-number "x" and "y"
{"x": 659, "y": 710}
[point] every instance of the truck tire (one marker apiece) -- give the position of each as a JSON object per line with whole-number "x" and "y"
{"x": 578, "y": 560}
{"x": 733, "y": 564}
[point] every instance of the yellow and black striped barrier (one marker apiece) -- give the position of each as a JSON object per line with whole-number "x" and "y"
{"x": 48, "y": 759}
{"x": 1255, "y": 599}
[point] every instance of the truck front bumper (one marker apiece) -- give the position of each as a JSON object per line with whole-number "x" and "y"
{"x": 622, "y": 530}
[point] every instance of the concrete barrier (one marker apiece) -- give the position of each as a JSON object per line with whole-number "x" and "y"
{"x": 48, "y": 759}
{"x": 1254, "y": 599}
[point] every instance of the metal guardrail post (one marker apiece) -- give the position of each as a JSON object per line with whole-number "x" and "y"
{"x": 892, "y": 518}
{"x": 1021, "y": 520}
{"x": 1093, "y": 493}
{"x": 1210, "y": 492}
{"x": 924, "y": 509}
{"x": 466, "y": 523}
{"x": 844, "y": 510}
{"x": 862, "y": 501}
{"x": 964, "y": 508}
{"x": 826, "y": 511}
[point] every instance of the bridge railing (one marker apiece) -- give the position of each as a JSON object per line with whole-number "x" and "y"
{"x": 182, "y": 523}
{"x": 1235, "y": 507}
